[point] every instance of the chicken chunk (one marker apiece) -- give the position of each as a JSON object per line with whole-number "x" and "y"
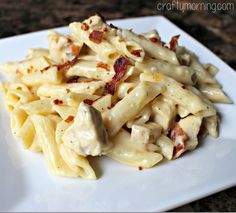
{"x": 146, "y": 134}
{"x": 87, "y": 135}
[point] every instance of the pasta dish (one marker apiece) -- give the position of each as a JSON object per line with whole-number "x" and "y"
{"x": 103, "y": 90}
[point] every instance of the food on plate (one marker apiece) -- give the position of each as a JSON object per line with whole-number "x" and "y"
{"x": 103, "y": 90}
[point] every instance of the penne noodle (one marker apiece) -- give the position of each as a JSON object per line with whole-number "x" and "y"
{"x": 154, "y": 50}
{"x": 181, "y": 95}
{"x": 214, "y": 94}
{"x": 49, "y": 76}
{"x": 182, "y": 74}
{"x": 92, "y": 69}
{"x": 125, "y": 151}
{"x": 57, "y": 90}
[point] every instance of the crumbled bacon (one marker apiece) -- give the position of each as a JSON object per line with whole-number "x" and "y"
{"x": 88, "y": 101}
{"x": 179, "y": 137}
{"x": 154, "y": 39}
{"x": 75, "y": 49}
{"x": 67, "y": 64}
{"x": 84, "y": 27}
{"x": 173, "y": 42}
{"x": 136, "y": 53}
{"x": 96, "y": 36}
{"x": 30, "y": 69}
{"x": 87, "y": 80}
{"x": 141, "y": 36}
{"x": 105, "y": 30}
{"x": 110, "y": 107}
{"x": 45, "y": 69}
{"x": 69, "y": 41}
{"x": 58, "y": 102}
{"x": 69, "y": 119}
{"x": 120, "y": 67}
{"x": 140, "y": 168}
{"x": 67, "y": 90}
{"x": 129, "y": 90}
{"x": 103, "y": 65}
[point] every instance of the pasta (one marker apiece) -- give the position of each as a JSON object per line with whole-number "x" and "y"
{"x": 107, "y": 91}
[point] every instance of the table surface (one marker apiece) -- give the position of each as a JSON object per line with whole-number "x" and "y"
{"x": 216, "y": 30}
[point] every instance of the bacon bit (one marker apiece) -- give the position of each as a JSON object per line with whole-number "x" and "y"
{"x": 69, "y": 119}
{"x": 73, "y": 80}
{"x": 140, "y": 168}
{"x": 154, "y": 39}
{"x": 69, "y": 40}
{"x": 30, "y": 69}
{"x": 136, "y": 53}
{"x": 141, "y": 36}
{"x": 173, "y": 42}
{"x": 179, "y": 137}
{"x": 68, "y": 90}
{"x": 67, "y": 64}
{"x": 110, "y": 107}
{"x": 129, "y": 90}
{"x": 87, "y": 80}
{"x": 105, "y": 30}
{"x": 183, "y": 86}
{"x": 88, "y": 101}
{"x": 58, "y": 102}
{"x": 75, "y": 49}
{"x": 84, "y": 27}
{"x": 113, "y": 26}
{"x": 45, "y": 69}
{"x": 178, "y": 131}
{"x": 120, "y": 67}
{"x": 178, "y": 150}
{"x": 103, "y": 65}
{"x": 90, "y": 21}
{"x": 96, "y": 36}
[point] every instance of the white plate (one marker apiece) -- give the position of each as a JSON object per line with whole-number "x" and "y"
{"x": 26, "y": 185}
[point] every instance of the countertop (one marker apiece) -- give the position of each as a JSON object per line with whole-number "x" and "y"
{"x": 215, "y": 29}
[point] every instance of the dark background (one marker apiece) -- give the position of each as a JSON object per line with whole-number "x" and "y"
{"x": 216, "y": 30}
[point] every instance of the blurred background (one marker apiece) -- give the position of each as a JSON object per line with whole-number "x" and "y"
{"x": 214, "y": 26}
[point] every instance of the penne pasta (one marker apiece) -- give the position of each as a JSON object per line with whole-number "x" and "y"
{"x": 214, "y": 94}
{"x": 92, "y": 69}
{"x": 182, "y": 74}
{"x": 154, "y": 50}
{"x": 126, "y": 152}
{"x": 58, "y": 90}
